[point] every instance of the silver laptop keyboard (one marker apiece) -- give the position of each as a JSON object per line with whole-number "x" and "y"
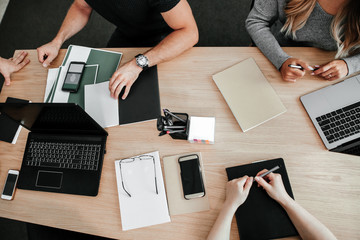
{"x": 341, "y": 123}
{"x": 63, "y": 155}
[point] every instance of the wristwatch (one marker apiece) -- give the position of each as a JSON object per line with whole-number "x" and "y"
{"x": 142, "y": 61}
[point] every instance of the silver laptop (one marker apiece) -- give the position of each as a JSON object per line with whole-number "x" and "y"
{"x": 335, "y": 113}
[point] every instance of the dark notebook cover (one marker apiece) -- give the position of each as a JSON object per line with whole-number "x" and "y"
{"x": 8, "y": 127}
{"x": 143, "y": 101}
{"x": 261, "y": 217}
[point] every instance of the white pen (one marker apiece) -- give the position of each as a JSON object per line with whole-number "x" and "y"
{"x": 300, "y": 67}
{"x": 268, "y": 172}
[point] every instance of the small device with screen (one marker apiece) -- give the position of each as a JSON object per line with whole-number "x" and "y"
{"x": 73, "y": 77}
{"x": 191, "y": 177}
{"x": 10, "y": 185}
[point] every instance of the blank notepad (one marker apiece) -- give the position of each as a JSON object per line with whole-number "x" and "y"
{"x": 249, "y": 95}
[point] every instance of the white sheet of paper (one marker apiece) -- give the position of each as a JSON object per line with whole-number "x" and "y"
{"x": 77, "y": 54}
{"x": 61, "y": 96}
{"x": 51, "y": 78}
{"x": 100, "y": 105}
{"x": 144, "y": 207}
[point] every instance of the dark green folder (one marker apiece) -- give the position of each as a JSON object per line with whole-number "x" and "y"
{"x": 261, "y": 217}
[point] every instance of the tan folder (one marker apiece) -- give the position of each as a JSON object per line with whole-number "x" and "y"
{"x": 249, "y": 95}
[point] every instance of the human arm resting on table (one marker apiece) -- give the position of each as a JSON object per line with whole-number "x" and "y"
{"x": 237, "y": 191}
{"x": 75, "y": 20}
{"x": 306, "y": 224}
{"x": 184, "y": 36}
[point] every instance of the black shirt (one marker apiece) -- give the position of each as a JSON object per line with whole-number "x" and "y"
{"x": 136, "y": 20}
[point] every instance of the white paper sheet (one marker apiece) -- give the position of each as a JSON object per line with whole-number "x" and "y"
{"x": 144, "y": 207}
{"x": 61, "y": 96}
{"x": 51, "y": 78}
{"x": 100, "y": 105}
{"x": 77, "y": 54}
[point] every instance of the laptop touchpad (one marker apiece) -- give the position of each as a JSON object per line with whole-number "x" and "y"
{"x": 49, "y": 179}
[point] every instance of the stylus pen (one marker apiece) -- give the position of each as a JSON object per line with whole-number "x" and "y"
{"x": 168, "y": 112}
{"x": 300, "y": 67}
{"x": 268, "y": 172}
{"x": 174, "y": 127}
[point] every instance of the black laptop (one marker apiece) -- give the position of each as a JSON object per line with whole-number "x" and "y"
{"x": 65, "y": 147}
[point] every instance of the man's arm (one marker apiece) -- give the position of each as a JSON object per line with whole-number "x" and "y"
{"x": 76, "y": 18}
{"x": 184, "y": 36}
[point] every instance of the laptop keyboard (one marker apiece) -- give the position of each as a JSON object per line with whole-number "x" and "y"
{"x": 63, "y": 155}
{"x": 341, "y": 123}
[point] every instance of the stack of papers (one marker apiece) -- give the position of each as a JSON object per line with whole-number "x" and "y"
{"x": 100, "y": 66}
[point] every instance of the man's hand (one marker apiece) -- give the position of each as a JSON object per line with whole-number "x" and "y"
{"x": 292, "y": 74}
{"x": 48, "y": 52}
{"x": 8, "y": 66}
{"x": 125, "y": 76}
{"x": 333, "y": 70}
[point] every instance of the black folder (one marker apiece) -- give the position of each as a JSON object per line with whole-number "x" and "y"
{"x": 8, "y": 127}
{"x": 261, "y": 217}
{"x": 143, "y": 101}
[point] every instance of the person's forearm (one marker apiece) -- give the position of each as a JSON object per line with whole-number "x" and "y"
{"x": 222, "y": 226}
{"x": 306, "y": 224}
{"x": 173, "y": 45}
{"x": 76, "y": 18}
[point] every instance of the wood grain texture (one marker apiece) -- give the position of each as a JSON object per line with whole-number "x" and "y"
{"x": 327, "y": 184}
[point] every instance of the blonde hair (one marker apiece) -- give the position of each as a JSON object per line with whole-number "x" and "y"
{"x": 345, "y": 26}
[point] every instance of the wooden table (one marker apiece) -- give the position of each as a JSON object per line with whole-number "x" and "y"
{"x": 327, "y": 184}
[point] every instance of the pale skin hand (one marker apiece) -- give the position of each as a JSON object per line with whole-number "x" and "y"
{"x": 184, "y": 36}
{"x": 292, "y": 74}
{"x": 76, "y": 18}
{"x": 237, "y": 190}
{"x": 333, "y": 70}
{"x": 306, "y": 224}
{"x": 9, "y": 66}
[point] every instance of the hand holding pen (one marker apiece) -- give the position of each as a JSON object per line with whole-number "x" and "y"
{"x": 273, "y": 185}
{"x": 293, "y": 69}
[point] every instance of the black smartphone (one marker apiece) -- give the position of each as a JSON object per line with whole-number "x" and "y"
{"x": 191, "y": 177}
{"x": 73, "y": 76}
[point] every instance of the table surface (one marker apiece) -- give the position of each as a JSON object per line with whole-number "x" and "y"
{"x": 327, "y": 184}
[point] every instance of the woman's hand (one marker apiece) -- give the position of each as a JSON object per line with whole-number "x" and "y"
{"x": 292, "y": 74}
{"x": 237, "y": 190}
{"x": 333, "y": 70}
{"x": 273, "y": 185}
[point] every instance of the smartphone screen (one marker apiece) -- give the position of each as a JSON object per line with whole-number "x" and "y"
{"x": 191, "y": 177}
{"x": 10, "y": 184}
{"x": 73, "y": 76}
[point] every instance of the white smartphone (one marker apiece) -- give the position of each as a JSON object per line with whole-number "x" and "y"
{"x": 191, "y": 177}
{"x": 10, "y": 185}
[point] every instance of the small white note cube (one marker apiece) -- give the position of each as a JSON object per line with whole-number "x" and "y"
{"x": 202, "y": 130}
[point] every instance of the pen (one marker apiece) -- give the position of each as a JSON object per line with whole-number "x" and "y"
{"x": 170, "y": 113}
{"x": 268, "y": 172}
{"x": 300, "y": 67}
{"x": 174, "y": 127}
{"x": 170, "y": 132}
{"x": 175, "y": 131}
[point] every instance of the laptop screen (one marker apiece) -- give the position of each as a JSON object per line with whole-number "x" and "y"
{"x": 52, "y": 117}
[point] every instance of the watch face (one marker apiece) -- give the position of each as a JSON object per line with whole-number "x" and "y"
{"x": 142, "y": 61}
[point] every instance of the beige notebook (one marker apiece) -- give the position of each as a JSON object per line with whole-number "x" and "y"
{"x": 249, "y": 95}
